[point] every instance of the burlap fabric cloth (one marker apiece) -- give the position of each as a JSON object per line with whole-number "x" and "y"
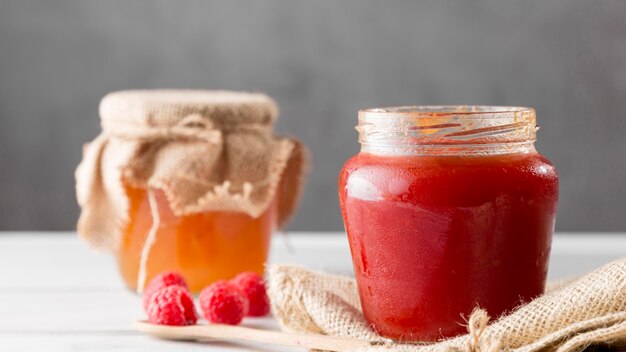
{"x": 206, "y": 150}
{"x": 588, "y": 311}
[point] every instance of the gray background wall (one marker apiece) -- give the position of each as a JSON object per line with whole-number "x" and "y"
{"x": 322, "y": 61}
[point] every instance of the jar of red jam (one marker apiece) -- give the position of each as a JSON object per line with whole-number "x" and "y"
{"x": 446, "y": 208}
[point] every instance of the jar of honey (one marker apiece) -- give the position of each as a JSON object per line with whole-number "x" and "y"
{"x": 187, "y": 181}
{"x": 446, "y": 208}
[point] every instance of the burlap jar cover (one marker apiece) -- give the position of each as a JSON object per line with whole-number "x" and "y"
{"x": 588, "y": 311}
{"x": 206, "y": 150}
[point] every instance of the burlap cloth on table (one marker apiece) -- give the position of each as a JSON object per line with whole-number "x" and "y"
{"x": 588, "y": 311}
{"x": 206, "y": 150}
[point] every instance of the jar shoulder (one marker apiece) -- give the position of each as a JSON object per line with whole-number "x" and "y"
{"x": 523, "y": 170}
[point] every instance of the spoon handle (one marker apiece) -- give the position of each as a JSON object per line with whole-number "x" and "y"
{"x": 229, "y": 332}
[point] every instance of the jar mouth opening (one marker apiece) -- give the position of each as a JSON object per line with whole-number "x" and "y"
{"x": 464, "y": 111}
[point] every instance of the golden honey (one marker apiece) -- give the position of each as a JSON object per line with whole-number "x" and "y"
{"x": 203, "y": 247}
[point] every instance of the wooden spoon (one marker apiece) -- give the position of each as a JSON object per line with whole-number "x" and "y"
{"x": 238, "y": 333}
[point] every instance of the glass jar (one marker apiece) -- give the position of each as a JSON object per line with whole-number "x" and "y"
{"x": 190, "y": 181}
{"x": 446, "y": 208}
{"x": 200, "y": 246}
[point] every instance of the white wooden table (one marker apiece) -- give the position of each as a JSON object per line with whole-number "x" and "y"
{"x": 57, "y": 295}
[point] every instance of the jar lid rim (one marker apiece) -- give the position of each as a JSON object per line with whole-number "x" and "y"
{"x": 169, "y": 106}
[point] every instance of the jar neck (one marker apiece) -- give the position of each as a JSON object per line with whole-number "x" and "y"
{"x": 447, "y": 130}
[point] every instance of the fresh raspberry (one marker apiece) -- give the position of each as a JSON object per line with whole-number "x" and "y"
{"x": 164, "y": 279}
{"x": 172, "y": 305}
{"x": 223, "y": 303}
{"x": 253, "y": 288}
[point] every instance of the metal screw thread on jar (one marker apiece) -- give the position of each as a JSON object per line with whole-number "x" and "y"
{"x": 447, "y": 130}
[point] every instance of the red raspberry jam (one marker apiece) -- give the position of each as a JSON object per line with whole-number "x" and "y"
{"x": 434, "y": 235}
